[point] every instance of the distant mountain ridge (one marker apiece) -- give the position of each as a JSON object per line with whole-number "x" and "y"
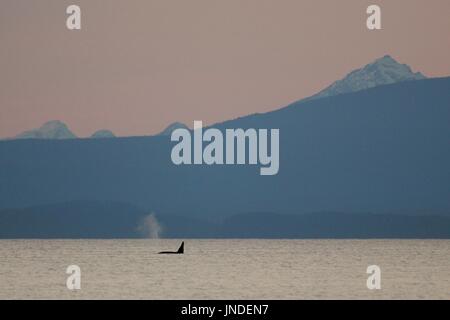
{"x": 380, "y": 150}
{"x": 58, "y": 130}
{"x": 109, "y": 220}
{"x": 385, "y": 70}
{"x": 103, "y": 134}
{"x": 54, "y": 129}
{"x": 173, "y": 126}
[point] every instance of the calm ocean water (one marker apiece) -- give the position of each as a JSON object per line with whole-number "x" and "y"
{"x": 225, "y": 269}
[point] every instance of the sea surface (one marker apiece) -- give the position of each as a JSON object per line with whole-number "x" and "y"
{"x": 225, "y": 269}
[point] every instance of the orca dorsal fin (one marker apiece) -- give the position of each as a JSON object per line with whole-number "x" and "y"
{"x": 181, "y": 249}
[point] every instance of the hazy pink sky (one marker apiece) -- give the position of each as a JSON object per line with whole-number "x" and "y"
{"x": 137, "y": 66}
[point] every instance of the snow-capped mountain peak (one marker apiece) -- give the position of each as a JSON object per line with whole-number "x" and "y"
{"x": 385, "y": 70}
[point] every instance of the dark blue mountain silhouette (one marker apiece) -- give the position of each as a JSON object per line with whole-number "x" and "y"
{"x": 78, "y": 219}
{"x": 101, "y": 220}
{"x": 382, "y": 150}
